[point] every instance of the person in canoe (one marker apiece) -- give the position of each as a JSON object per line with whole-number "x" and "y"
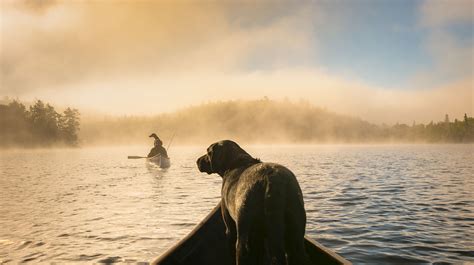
{"x": 158, "y": 147}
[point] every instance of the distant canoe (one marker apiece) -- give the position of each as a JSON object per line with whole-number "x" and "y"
{"x": 206, "y": 245}
{"x": 159, "y": 160}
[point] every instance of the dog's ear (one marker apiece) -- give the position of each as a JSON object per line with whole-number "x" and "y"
{"x": 239, "y": 157}
{"x": 217, "y": 157}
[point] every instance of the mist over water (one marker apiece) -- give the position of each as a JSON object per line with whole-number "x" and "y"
{"x": 379, "y": 204}
{"x": 246, "y": 121}
{"x": 269, "y": 121}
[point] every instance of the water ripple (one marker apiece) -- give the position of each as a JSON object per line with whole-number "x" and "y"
{"x": 372, "y": 204}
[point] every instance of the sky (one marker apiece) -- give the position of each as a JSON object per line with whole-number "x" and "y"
{"x": 381, "y": 60}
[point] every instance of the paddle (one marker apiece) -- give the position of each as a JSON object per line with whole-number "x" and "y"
{"x": 136, "y": 157}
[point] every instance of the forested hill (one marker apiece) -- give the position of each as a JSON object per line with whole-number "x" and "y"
{"x": 39, "y": 125}
{"x": 267, "y": 121}
{"x": 252, "y": 121}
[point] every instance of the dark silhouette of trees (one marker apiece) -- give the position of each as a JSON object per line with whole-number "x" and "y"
{"x": 40, "y": 125}
{"x": 446, "y": 131}
{"x": 69, "y": 126}
{"x": 44, "y": 123}
{"x": 14, "y": 126}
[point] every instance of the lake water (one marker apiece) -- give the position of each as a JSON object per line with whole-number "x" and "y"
{"x": 382, "y": 204}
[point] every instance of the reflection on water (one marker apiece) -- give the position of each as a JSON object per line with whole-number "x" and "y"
{"x": 372, "y": 204}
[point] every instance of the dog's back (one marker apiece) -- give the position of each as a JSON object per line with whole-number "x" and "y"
{"x": 270, "y": 205}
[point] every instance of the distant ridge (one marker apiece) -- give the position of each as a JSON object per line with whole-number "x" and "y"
{"x": 266, "y": 121}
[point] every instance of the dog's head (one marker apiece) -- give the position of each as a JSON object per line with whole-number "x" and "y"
{"x": 222, "y": 156}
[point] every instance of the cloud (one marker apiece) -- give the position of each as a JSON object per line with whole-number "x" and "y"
{"x": 436, "y": 13}
{"x": 170, "y": 92}
{"x": 452, "y": 52}
{"x": 69, "y": 42}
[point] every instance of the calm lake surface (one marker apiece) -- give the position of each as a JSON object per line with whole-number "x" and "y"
{"x": 383, "y": 204}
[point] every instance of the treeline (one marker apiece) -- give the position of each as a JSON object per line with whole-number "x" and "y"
{"x": 38, "y": 126}
{"x": 268, "y": 121}
{"x": 458, "y": 131}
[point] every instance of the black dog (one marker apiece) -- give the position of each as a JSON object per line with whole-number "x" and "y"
{"x": 262, "y": 206}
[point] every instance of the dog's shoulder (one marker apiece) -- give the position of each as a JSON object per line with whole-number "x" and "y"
{"x": 269, "y": 168}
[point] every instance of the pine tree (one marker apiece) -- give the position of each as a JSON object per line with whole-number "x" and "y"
{"x": 70, "y": 126}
